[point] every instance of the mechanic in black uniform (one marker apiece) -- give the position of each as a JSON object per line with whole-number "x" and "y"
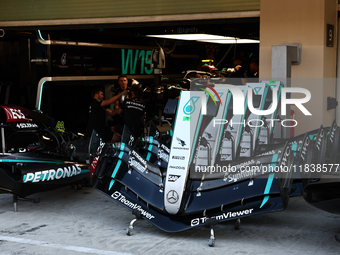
{"x": 118, "y": 120}
{"x": 97, "y": 114}
{"x": 134, "y": 111}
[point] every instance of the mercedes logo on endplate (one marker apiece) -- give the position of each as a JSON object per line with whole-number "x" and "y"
{"x": 172, "y": 197}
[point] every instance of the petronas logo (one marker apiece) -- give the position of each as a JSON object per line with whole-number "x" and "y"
{"x": 190, "y": 106}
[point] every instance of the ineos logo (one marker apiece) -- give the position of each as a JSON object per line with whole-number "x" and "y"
{"x": 172, "y": 197}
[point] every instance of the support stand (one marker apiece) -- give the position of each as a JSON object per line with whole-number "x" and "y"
{"x": 16, "y": 198}
{"x": 210, "y": 223}
{"x": 138, "y": 216}
{"x": 237, "y": 224}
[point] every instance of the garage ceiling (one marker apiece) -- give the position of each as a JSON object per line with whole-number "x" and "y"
{"x": 46, "y": 12}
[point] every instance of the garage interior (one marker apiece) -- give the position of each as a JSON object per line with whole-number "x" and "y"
{"x": 98, "y": 50}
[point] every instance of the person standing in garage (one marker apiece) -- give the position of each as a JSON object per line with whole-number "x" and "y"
{"x": 134, "y": 113}
{"x": 118, "y": 120}
{"x": 97, "y": 113}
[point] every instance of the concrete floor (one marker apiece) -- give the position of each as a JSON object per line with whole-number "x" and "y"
{"x": 87, "y": 222}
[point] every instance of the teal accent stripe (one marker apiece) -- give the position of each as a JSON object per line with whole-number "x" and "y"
{"x": 224, "y": 117}
{"x": 28, "y": 161}
{"x": 122, "y": 146}
{"x": 257, "y": 129}
{"x": 40, "y": 35}
{"x": 115, "y": 171}
{"x": 150, "y": 143}
{"x": 196, "y": 135}
{"x": 242, "y": 119}
{"x": 264, "y": 201}
{"x": 121, "y": 154}
{"x": 278, "y": 96}
{"x": 40, "y": 96}
{"x": 269, "y": 181}
{"x": 294, "y": 148}
{"x": 149, "y": 148}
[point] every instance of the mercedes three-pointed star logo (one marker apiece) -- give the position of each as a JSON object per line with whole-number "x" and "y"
{"x": 172, "y": 197}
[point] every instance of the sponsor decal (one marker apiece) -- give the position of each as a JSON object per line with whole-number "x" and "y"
{"x": 131, "y": 140}
{"x": 141, "y": 159}
{"x": 178, "y": 167}
{"x": 14, "y": 114}
{"x": 173, "y": 177}
{"x": 224, "y": 216}
{"x": 208, "y": 135}
{"x": 94, "y": 164}
{"x": 100, "y": 147}
{"x": 163, "y": 155}
{"x": 172, "y": 197}
{"x": 246, "y": 163}
{"x": 95, "y": 160}
{"x": 181, "y": 142}
{"x": 52, "y": 174}
{"x": 268, "y": 153}
{"x": 319, "y": 141}
{"x": 178, "y": 157}
{"x": 285, "y": 156}
{"x": 332, "y": 133}
{"x": 244, "y": 174}
{"x": 136, "y": 165}
{"x": 122, "y": 199}
{"x": 26, "y": 125}
{"x": 137, "y": 162}
{"x": 165, "y": 148}
{"x": 190, "y": 106}
{"x": 181, "y": 148}
{"x": 304, "y": 149}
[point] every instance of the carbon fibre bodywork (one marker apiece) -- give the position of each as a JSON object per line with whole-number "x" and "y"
{"x": 37, "y": 157}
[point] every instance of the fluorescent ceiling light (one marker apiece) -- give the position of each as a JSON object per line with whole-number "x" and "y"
{"x": 205, "y": 38}
{"x": 192, "y": 37}
{"x": 231, "y": 41}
